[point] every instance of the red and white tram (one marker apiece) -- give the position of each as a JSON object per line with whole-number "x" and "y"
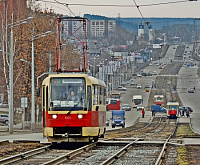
{"x": 81, "y": 120}
{"x": 73, "y": 103}
{"x": 159, "y": 99}
{"x": 172, "y": 109}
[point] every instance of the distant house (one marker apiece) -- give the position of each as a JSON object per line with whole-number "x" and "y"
{"x": 119, "y": 55}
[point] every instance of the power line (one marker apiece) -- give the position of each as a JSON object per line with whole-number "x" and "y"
{"x": 138, "y": 9}
{"x": 147, "y": 23}
{"x": 163, "y": 3}
{"x": 64, "y": 4}
{"x": 111, "y": 5}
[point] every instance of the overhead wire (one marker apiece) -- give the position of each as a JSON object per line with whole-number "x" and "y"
{"x": 147, "y": 23}
{"x": 111, "y": 5}
{"x": 66, "y": 5}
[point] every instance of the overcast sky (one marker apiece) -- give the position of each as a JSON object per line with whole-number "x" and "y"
{"x": 182, "y": 8}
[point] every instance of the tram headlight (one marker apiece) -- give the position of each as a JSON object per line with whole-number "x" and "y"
{"x": 54, "y": 116}
{"x": 80, "y": 116}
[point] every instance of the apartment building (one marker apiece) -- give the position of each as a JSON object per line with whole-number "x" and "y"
{"x": 101, "y": 28}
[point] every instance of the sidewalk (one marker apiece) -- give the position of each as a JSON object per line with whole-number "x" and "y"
{"x": 22, "y": 134}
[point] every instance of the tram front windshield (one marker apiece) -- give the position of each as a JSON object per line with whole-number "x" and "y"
{"x": 173, "y": 107}
{"x": 68, "y": 94}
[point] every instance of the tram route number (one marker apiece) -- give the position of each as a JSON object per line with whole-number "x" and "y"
{"x": 68, "y": 117}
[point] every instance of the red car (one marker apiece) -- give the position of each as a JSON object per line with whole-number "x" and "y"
{"x": 191, "y": 90}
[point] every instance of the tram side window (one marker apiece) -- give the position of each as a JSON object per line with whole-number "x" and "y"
{"x": 95, "y": 95}
{"x": 43, "y": 105}
{"x": 100, "y": 95}
{"x": 43, "y": 98}
{"x": 47, "y": 98}
{"x": 104, "y": 98}
{"x": 89, "y": 98}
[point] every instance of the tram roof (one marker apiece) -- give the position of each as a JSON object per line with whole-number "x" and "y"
{"x": 79, "y": 74}
{"x": 173, "y": 103}
{"x": 97, "y": 81}
{"x": 158, "y": 96}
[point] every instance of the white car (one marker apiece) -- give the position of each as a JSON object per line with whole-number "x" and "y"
{"x": 154, "y": 73}
{"x": 140, "y": 107}
{"x": 121, "y": 88}
{"x": 139, "y": 86}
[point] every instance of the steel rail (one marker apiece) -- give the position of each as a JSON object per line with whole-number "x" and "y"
{"x": 119, "y": 153}
{"x": 128, "y": 146}
{"x": 162, "y": 153}
{"x": 71, "y": 154}
{"x": 158, "y": 130}
{"x": 146, "y": 135}
{"x": 24, "y": 155}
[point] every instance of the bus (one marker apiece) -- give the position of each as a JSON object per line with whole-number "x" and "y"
{"x": 112, "y": 104}
{"x": 115, "y": 95}
{"x": 159, "y": 99}
{"x": 137, "y": 100}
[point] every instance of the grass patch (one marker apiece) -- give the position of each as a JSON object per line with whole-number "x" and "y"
{"x": 184, "y": 130}
{"x": 182, "y": 158}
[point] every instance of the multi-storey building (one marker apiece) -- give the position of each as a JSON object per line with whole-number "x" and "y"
{"x": 101, "y": 28}
{"x": 71, "y": 28}
{"x": 96, "y": 28}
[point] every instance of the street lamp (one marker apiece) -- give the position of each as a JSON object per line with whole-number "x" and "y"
{"x": 11, "y": 71}
{"x": 32, "y": 78}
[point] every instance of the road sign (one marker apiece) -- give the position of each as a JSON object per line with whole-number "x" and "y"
{"x": 24, "y": 102}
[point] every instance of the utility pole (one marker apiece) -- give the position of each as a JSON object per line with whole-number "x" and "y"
{"x": 33, "y": 89}
{"x": 11, "y": 81}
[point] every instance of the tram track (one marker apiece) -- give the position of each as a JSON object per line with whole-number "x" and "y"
{"x": 140, "y": 150}
{"x": 103, "y": 152}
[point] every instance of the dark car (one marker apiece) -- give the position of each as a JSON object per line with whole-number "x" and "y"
{"x": 191, "y": 90}
{"x": 4, "y": 118}
{"x": 134, "y": 74}
{"x": 107, "y": 122}
{"x": 185, "y": 109}
{"x": 144, "y": 74}
{"x": 149, "y": 74}
{"x": 126, "y": 107}
{"x": 146, "y": 86}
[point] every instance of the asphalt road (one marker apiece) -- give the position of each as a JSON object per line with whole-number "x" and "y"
{"x": 187, "y": 77}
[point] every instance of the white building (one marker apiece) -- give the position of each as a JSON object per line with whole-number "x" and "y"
{"x": 141, "y": 31}
{"x": 102, "y": 28}
{"x": 152, "y": 34}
